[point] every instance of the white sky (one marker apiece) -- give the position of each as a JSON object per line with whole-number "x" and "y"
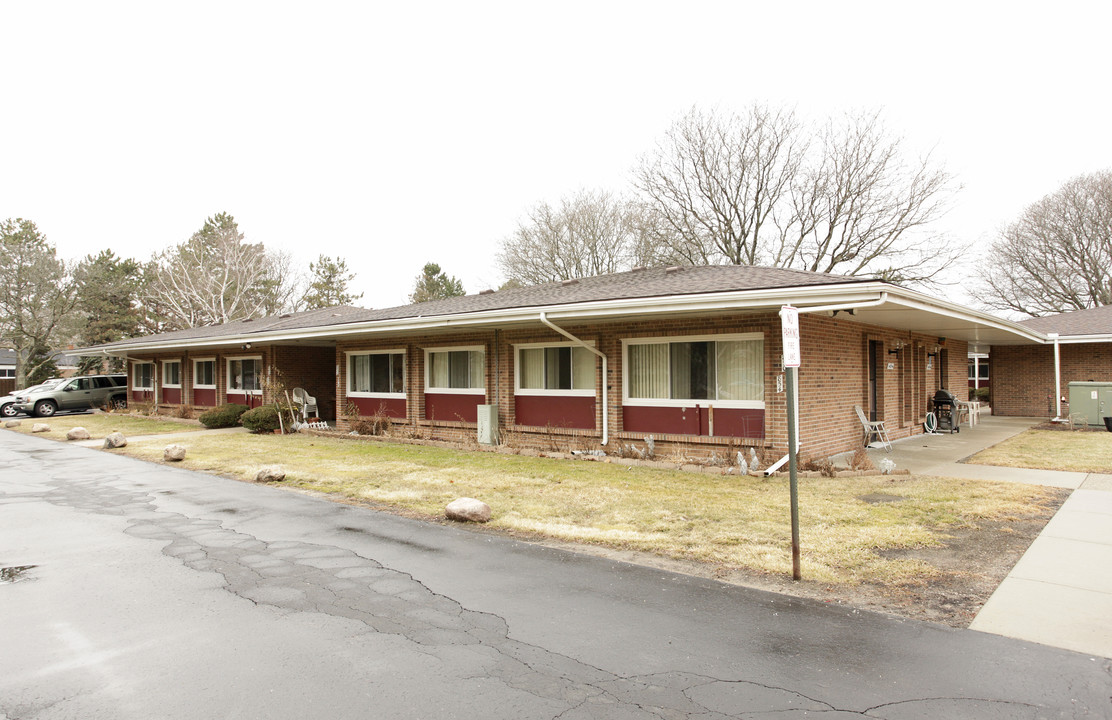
{"x": 397, "y": 134}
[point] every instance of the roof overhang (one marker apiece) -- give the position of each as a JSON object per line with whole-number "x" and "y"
{"x": 880, "y": 304}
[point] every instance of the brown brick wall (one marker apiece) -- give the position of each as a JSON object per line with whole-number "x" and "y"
{"x": 309, "y": 367}
{"x": 1023, "y": 375}
{"x": 833, "y": 378}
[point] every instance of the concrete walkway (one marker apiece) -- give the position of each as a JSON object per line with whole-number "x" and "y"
{"x": 1060, "y": 591}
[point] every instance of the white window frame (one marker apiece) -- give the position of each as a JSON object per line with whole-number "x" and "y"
{"x": 453, "y": 391}
{"x": 690, "y": 402}
{"x": 228, "y": 375}
{"x": 518, "y": 390}
{"x": 135, "y": 364}
{"x": 388, "y": 395}
{"x": 170, "y": 361}
{"x": 201, "y": 386}
{"x": 7, "y": 372}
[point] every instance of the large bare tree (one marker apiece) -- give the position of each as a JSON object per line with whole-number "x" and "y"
{"x": 36, "y": 294}
{"x": 1057, "y": 256}
{"x": 586, "y": 233}
{"x": 764, "y": 187}
{"x": 216, "y": 277}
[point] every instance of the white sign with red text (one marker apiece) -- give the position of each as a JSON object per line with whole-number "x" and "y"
{"x": 789, "y": 326}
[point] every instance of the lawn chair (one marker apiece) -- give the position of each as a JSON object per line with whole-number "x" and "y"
{"x": 871, "y": 428}
{"x": 307, "y": 402}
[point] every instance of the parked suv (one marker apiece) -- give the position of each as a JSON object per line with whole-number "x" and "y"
{"x": 78, "y": 393}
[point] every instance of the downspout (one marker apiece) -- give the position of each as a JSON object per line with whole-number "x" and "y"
{"x": 883, "y": 298}
{"x": 605, "y": 387}
{"x": 1057, "y": 380}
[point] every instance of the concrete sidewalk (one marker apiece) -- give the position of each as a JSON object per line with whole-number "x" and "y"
{"x": 1060, "y": 591}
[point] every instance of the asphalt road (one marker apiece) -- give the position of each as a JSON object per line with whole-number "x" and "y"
{"x": 162, "y": 593}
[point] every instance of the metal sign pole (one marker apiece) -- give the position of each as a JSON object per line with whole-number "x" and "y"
{"x": 793, "y": 473}
{"x": 789, "y": 325}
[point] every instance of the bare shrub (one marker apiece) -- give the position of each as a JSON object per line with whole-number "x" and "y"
{"x": 861, "y": 460}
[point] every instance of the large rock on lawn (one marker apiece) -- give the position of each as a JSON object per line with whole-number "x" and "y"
{"x": 78, "y": 433}
{"x": 13, "y": 423}
{"x": 271, "y": 473}
{"x": 173, "y": 453}
{"x": 115, "y": 440}
{"x": 40, "y": 427}
{"x": 468, "y": 510}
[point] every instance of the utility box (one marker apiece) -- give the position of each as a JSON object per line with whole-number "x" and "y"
{"x": 488, "y": 424}
{"x": 1091, "y": 399}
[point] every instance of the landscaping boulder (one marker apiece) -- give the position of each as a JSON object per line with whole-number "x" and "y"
{"x": 173, "y": 453}
{"x": 115, "y": 440}
{"x": 78, "y": 433}
{"x": 13, "y": 423}
{"x": 271, "y": 473}
{"x": 468, "y": 510}
{"x": 40, "y": 427}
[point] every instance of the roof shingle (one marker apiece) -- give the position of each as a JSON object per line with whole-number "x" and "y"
{"x": 643, "y": 283}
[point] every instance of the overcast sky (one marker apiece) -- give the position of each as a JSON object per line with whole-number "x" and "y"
{"x": 394, "y": 134}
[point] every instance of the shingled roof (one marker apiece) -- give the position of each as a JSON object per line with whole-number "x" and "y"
{"x": 1094, "y": 321}
{"x": 641, "y": 283}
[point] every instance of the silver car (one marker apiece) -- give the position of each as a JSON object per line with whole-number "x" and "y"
{"x": 8, "y": 402}
{"x": 77, "y": 393}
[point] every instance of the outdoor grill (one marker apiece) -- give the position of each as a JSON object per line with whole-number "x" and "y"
{"x": 945, "y": 411}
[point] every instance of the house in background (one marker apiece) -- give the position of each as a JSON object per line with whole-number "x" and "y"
{"x": 689, "y": 355}
{"x": 1023, "y": 381}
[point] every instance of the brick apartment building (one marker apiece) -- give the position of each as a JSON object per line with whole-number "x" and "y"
{"x": 1023, "y": 380}
{"x": 689, "y": 355}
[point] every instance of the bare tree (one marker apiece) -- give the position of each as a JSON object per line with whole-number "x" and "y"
{"x": 1057, "y": 256}
{"x": 36, "y": 293}
{"x": 764, "y": 188}
{"x": 860, "y": 207}
{"x": 716, "y": 180}
{"x": 215, "y": 277}
{"x": 587, "y": 233}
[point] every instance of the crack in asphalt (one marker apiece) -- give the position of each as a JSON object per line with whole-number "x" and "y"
{"x": 296, "y": 576}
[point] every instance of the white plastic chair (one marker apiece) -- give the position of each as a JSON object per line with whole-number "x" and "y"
{"x": 307, "y": 402}
{"x": 873, "y": 427}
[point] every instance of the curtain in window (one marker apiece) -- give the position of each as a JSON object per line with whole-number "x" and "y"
{"x": 648, "y": 371}
{"x": 397, "y": 373}
{"x": 361, "y": 373}
{"x": 583, "y": 369}
{"x": 740, "y": 370}
{"x": 438, "y": 370}
{"x": 531, "y": 370}
{"x": 477, "y": 367}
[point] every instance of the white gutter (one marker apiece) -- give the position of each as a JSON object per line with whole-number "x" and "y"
{"x": 1057, "y": 379}
{"x": 605, "y": 389}
{"x": 845, "y": 306}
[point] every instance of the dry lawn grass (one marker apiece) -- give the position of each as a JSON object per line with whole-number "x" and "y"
{"x": 1052, "y": 450}
{"x": 725, "y": 521}
{"x": 101, "y": 425}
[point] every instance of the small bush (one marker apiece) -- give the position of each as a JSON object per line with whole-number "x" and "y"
{"x": 223, "y": 416}
{"x": 262, "y": 419}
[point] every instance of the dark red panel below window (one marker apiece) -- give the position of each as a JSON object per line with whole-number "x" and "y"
{"x": 453, "y": 407}
{"x": 569, "y": 412}
{"x": 728, "y": 422}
